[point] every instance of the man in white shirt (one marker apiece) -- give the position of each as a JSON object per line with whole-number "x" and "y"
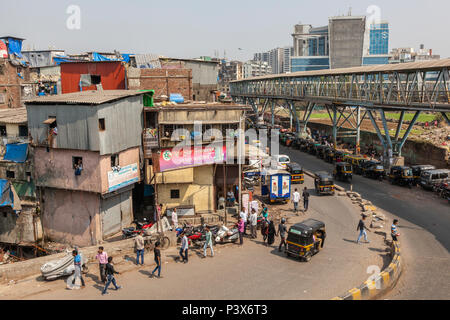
{"x": 253, "y": 220}
{"x": 296, "y": 200}
{"x": 174, "y": 218}
{"x": 244, "y": 217}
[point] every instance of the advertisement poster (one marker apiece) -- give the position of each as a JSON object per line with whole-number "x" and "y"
{"x": 285, "y": 185}
{"x": 3, "y": 50}
{"x": 275, "y": 185}
{"x": 177, "y": 158}
{"x": 125, "y": 176}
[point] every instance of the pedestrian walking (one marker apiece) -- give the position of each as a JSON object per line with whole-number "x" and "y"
{"x": 157, "y": 253}
{"x": 394, "y": 230}
{"x": 243, "y": 216}
{"x": 102, "y": 258}
{"x": 296, "y": 200}
{"x": 305, "y": 199}
{"x": 110, "y": 272}
{"x": 362, "y": 230}
{"x": 174, "y": 218}
{"x": 208, "y": 242}
{"x": 271, "y": 233}
{"x": 77, "y": 263}
{"x": 265, "y": 229}
{"x": 253, "y": 220}
{"x": 139, "y": 244}
{"x": 282, "y": 234}
{"x": 184, "y": 248}
{"x": 241, "y": 228}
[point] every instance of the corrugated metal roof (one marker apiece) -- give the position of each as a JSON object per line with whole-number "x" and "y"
{"x": 425, "y": 65}
{"x": 13, "y": 116}
{"x": 86, "y": 97}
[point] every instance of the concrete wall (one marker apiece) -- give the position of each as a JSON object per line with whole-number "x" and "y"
{"x": 199, "y": 194}
{"x": 203, "y": 72}
{"x": 346, "y": 36}
{"x": 163, "y": 81}
{"x": 19, "y": 229}
{"x": 414, "y": 152}
{"x": 71, "y": 217}
{"x": 54, "y": 169}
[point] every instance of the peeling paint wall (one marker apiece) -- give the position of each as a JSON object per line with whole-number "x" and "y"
{"x": 71, "y": 217}
{"x": 54, "y": 169}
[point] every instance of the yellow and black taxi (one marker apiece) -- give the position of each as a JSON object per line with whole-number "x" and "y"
{"x": 356, "y": 162}
{"x": 296, "y": 171}
{"x": 339, "y": 156}
{"x": 305, "y": 239}
{"x": 374, "y": 170}
{"x": 324, "y": 183}
{"x": 343, "y": 171}
{"x": 401, "y": 175}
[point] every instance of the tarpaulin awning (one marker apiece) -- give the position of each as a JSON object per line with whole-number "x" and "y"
{"x": 15, "y": 47}
{"x": 7, "y": 196}
{"x": 16, "y": 152}
{"x": 98, "y": 57}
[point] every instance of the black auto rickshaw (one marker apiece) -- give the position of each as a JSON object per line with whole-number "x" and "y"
{"x": 310, "y": 146}
{"x": 314, "y": 148}
{"x": 343, "y": 171}
{"x": 324, "y": 183}
{"x": 401, "y": 175}
{"x": 306, "y": 239}
{"x": 329, "y": 154}
{"x": 320, "y": 151}
{"x": 375, "y": 171}
{"x": 296, "y": 171}
{"x": 417, "y": 171}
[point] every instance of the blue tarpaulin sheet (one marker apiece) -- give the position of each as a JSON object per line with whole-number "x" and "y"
{"x": 16, "y": 152}
{"x": 15, "y": 47}
{"x": 7, "y": 196}
{"x": 99, "y": 57}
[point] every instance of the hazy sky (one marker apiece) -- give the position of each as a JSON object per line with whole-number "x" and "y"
{"x": 191, "y": 28}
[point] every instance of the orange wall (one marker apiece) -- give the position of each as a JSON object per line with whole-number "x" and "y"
{"x": 112, "y": 75}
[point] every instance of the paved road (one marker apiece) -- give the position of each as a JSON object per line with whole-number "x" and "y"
{"x": 424, "y": 224}
{"x": 256, "y": 271}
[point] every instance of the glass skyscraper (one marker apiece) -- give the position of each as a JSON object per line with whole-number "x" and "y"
{"x": 379, "y": 38}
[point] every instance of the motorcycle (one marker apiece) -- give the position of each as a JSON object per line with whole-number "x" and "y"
{"x": 134, "y": 231}
{"x": 225, "y": 235}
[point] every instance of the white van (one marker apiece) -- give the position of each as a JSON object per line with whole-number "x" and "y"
{"x": 281, "y": 161}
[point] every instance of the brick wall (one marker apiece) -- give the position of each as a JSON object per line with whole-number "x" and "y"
{"x": 163, "y": 81}
{"x": 10, "y": 90}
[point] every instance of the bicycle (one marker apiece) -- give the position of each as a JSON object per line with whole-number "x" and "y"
{"x": 149, "y": 241}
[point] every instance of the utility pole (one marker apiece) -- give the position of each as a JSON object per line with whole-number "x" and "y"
{"x": 240, "y": 161}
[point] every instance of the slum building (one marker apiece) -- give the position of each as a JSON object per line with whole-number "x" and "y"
{"x": 192, "y": 188}
{"x": 13, "y": 72}
{"x": 87, "y": 147}
{"x": 204, "y": 76}
{"x": 20, "y": 225}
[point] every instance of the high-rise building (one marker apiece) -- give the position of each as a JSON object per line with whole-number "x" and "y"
{"x": 347, "y": 34}
{"x": 346, "y": 42}
{"x": 254, "y": 68}
{"x": 376, "y": 47}
{"x": 278, "y": 59}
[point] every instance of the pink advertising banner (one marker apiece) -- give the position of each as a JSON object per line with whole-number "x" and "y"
{"x": 186, "y": 157}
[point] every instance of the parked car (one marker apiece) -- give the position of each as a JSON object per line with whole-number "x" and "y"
{"x": 430, "y": 178}
{"x": 417, "y": 171}
{"x": 281, "y": 161}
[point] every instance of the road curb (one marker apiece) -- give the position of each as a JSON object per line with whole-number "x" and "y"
{"x": 378, "y": 284}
